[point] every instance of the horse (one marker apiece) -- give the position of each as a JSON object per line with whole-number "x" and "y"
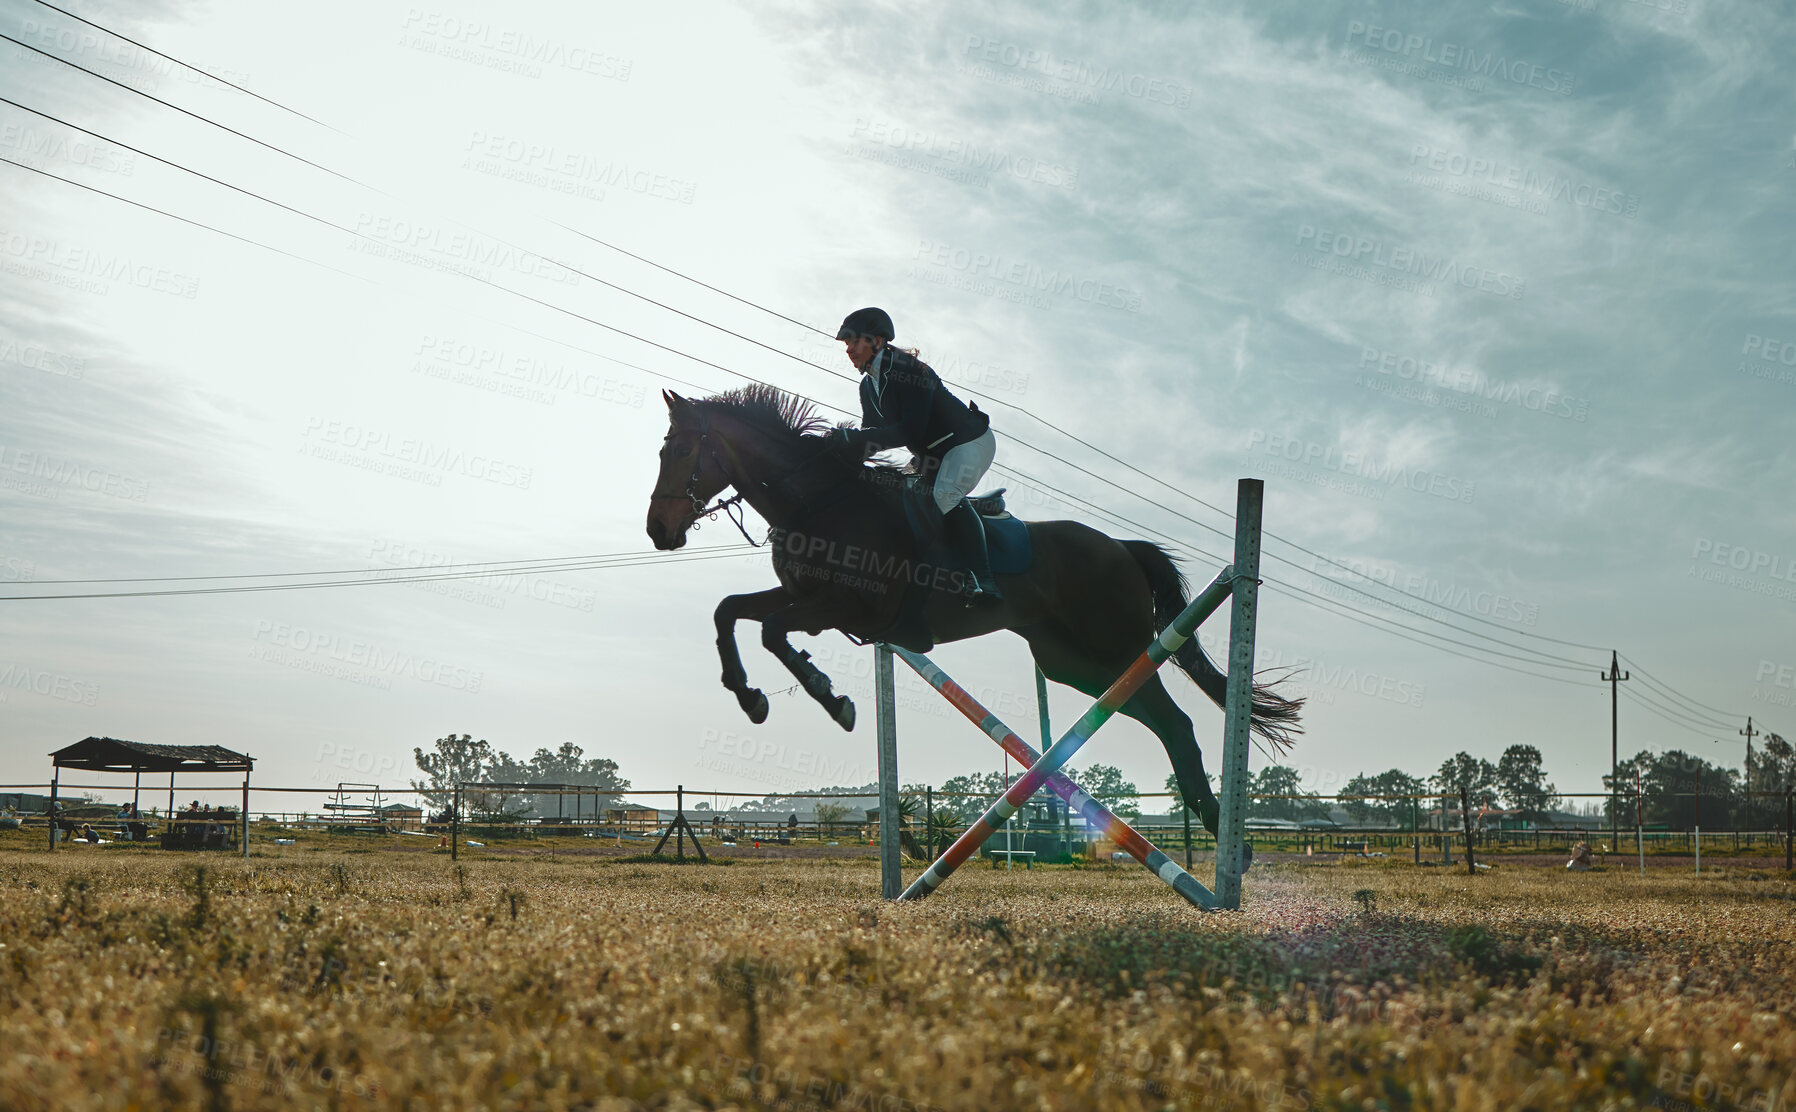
{"x": 1086, "y": 603}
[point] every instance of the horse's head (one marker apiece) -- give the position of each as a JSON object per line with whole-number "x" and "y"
{"x": 691, "y": 474}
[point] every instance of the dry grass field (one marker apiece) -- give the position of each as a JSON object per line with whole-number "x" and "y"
{"x": 131, "y": 979}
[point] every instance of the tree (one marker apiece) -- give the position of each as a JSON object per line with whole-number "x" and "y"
{"x": 1280, "y": 780}
{"x": 828, "y": 814}
{"x": 1524, "y": 784}
{"x": 1669, "y": 783}
{"x": 1105, "y": 784}
{"x": 456, "y": 760}
{"x": 1464, "y": 772}
{"x": 1379, "y": 811}
{"x": 985, "y": 787}
{"x": 1772, "y": 768}
{"x": 567, "y": 766}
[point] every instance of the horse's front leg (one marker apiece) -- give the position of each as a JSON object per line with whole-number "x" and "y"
{"x": 733, "y": 608}
{"x": 813, "y": 615}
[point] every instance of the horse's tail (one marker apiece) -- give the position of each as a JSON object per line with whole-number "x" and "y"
{"x": 1274, "y": 717}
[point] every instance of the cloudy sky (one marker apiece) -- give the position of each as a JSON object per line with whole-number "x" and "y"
{"x": 1496, "y": 298}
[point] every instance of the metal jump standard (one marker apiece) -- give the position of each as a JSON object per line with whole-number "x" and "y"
{"x": 1239, "y": 581}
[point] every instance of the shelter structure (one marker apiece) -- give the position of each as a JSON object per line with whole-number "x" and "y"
{"x": 107, "y": 754}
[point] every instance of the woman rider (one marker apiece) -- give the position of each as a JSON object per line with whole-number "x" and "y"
{"x": 904, "y": 404}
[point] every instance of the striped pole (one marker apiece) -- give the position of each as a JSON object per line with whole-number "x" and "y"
{"x": 1055, "y": 758}
{"x": 1076, "y": 798}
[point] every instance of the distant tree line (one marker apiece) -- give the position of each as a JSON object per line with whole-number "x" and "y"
{"x": 460, "y": 759}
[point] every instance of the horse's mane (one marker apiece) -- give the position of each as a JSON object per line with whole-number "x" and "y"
{"x": 782, "y": 415}
{"x": 770, "y": 410}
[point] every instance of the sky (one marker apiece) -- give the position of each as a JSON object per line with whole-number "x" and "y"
{"x": 1496, "y": 298}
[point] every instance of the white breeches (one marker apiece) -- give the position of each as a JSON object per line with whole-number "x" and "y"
{"x": 962, "y": 467}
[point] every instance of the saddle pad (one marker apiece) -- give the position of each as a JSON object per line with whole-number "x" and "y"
{"x": 1007, "y": 543}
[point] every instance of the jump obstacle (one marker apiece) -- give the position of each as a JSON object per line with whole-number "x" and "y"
{"x": 1240, "y": 581}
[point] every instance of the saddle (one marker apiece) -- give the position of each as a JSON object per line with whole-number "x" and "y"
{"x": 1007, "y": 545}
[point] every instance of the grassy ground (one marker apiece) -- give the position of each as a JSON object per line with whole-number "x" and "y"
{"x": 335, "y": 980}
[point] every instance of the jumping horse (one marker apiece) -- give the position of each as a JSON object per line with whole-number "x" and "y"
{"x": 1086, "y": 603}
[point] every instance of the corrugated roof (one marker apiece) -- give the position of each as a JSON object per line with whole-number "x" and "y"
{"x": 110, "y": 754}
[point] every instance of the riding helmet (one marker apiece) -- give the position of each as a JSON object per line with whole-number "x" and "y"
{"x": 867, "y": 322}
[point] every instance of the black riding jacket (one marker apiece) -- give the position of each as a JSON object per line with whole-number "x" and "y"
{"x": 911, "y": 408}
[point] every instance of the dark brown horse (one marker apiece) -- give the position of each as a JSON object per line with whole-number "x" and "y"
{"x": 1087, "y": 604}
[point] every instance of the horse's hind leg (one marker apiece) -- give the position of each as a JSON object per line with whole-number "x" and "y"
{"x": 1151, "y": 705}
{"x": 732, "y": 609}
{"x": 810, "y": 615}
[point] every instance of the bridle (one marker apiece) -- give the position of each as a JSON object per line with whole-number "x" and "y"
{"x": 732, "y": 507}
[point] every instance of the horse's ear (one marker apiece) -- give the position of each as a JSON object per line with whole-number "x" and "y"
{"x": 675, "y": 403}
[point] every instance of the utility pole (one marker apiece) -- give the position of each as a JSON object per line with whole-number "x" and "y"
{"x": 1614, "y": 676}
{"x": 1748, "y": 733}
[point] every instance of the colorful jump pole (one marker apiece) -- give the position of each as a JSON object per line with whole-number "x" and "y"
{"x": 1175, "y": 635}
{"x": 1095, "y": 813}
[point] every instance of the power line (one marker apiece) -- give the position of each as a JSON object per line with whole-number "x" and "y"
{"x": 497, "y": 566}
{"x": 1019, "y": 409}
{"x": 176, "y": 107}
{"x": 184, "y": 65}
{"x": 697, "y": 556}
{"x": 1635, "y": 665}
{"x": 1539, "y": 658}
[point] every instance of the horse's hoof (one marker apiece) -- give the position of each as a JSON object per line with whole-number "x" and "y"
{"x": 755, "y": 703}
{"x": 844, "y": 713}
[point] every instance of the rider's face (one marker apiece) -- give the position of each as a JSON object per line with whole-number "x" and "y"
{"x": 861, "y": 349}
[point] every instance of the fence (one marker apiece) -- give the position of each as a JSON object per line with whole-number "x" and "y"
{"x": 1170, "y": 832}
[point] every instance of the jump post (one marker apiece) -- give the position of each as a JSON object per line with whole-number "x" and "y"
{"x": 1239, "y": 581}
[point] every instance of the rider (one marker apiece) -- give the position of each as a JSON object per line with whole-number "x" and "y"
{"x": 904, "y": 404}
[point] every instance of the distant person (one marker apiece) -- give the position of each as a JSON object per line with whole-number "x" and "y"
{"x": 89, "y": 834}
{"x": 1580, "y": 858}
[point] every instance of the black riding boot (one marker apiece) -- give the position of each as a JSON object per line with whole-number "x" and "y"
{"x": 967, "y": 534}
